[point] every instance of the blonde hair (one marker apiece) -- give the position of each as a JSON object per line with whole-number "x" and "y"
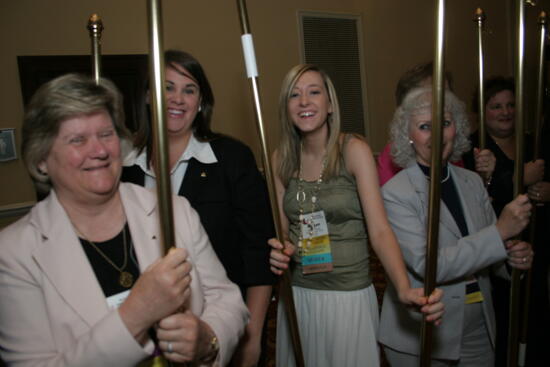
{"x": 289, "y": 147}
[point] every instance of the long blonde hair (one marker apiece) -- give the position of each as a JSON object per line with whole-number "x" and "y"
{"x": 289, "y": 147}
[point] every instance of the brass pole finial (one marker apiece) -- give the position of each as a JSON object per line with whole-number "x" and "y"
{"x": 479, "y": 15}
{"x": 95, "y": 27}
{"x": 543, "y": 18}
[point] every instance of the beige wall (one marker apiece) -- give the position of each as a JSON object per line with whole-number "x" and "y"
{"x": 397, "y": 35}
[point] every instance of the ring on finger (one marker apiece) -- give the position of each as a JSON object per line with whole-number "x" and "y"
{"x": 524, "y": 260}
{"x": 170, "y": 350}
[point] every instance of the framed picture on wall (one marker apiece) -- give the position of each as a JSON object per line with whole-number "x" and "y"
{"x": 7, "y": 145}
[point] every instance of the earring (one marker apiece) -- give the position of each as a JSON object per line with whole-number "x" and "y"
{"x": 410, "y": 142}
{"x": 200, "y": 108}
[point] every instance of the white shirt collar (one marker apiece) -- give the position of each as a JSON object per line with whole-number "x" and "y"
{"x": 201, "y": 151}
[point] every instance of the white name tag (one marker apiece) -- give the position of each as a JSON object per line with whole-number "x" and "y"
{"x": 114, "y": 301}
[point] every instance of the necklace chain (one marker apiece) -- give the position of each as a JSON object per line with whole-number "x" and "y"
{"x": 126, "y": 279}
{"x": 301, "y": 198}
{"x": 446, "y": 177}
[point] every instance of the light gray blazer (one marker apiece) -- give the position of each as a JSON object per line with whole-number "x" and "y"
{"x": 53, "y": 311}
{"x": 406, "y": 202}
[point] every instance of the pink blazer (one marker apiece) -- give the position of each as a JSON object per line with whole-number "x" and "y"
{"x": 53, "y": 311}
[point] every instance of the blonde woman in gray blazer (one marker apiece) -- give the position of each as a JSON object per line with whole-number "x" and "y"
{"x": 472, "y": 241}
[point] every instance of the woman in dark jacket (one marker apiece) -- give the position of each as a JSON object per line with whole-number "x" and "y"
{"x": 219, "y": 177}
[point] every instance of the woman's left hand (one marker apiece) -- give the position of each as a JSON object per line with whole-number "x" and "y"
{"x": 520, "y": 254}
{"x": 183, "y": 337}
{"x": 539, "y": 192}
{"x": 431, "y": 307}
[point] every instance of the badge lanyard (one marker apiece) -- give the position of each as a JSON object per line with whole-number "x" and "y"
{"x": 314, "y": 241}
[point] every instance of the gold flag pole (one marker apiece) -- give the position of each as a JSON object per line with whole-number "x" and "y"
{"x": 252, "y": 73}
{"x": 438, "y": 94}
{"x": 542, "y": 21}
{"x": 158, "y": 118}
{"x": 515, "y": 289}
{"x": 480, "y": 19}
{"x": 95, "y": 27}
{"x": 160, "y": 137}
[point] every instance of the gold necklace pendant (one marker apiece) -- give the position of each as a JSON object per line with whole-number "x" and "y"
{"x": 126, "y": 279}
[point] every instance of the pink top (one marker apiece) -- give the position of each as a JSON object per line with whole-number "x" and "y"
{"x": 387, "y": 169}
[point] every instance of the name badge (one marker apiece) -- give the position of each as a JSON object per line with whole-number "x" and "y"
{"x": 473, "y": 292}
{"x": 114, "y": 301}
{"x": 315, "y": 247}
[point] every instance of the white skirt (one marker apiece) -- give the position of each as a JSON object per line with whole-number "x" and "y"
{"x": 337, "y": 328}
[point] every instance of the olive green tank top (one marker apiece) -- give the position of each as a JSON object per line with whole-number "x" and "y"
{"x": 339, "y": 199}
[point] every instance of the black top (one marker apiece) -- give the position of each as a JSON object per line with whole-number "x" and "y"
{"x": 450, "y": 198}
{"x": 105, "y": 273}
{"x": 231, "y": 199}
{"x": 501, "y": 188}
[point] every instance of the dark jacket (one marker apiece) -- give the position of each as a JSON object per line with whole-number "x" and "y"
{"x": 231, "y": 199}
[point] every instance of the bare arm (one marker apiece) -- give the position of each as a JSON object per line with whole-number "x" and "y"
{"x": 360, "y": 163}
{"x": 249, "y": 350}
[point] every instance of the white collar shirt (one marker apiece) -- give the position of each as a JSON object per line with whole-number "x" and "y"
{"x": 201, "y": 151}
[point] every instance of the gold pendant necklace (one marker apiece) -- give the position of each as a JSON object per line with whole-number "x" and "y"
{"x": 301, "y": 198}
{"x": 125, "y": 279}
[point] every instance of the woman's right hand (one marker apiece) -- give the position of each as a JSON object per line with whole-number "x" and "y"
{"x": 161, "y": 290}
{"x": 533, "y": 172}
{"x": 514, "y": 217}
{"x": 279, "y": 258}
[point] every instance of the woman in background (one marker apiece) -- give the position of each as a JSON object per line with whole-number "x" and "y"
{"x": 501, "y": 140}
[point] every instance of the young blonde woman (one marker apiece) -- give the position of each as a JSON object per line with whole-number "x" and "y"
{"x": 329, "y": 199}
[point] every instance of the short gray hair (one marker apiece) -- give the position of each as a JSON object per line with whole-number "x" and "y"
{"x": 65, "y": 97}
{"x": 401, "y": 150}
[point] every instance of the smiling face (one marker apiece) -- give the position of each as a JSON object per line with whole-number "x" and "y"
{"x": 420, "y": 132}
{"x": 500, "y": 114}
{"x": 182, "y": 100}
{"x": 309, "y": 103}
{"x": 84, "y": 161}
